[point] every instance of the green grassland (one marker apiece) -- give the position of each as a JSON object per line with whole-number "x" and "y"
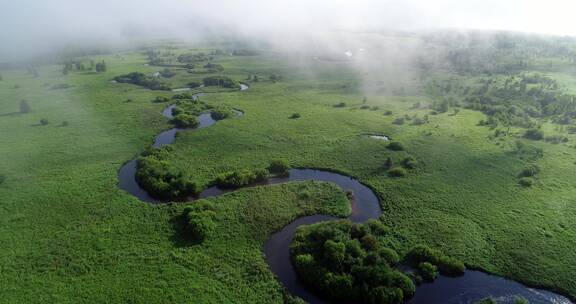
{"x": 69, "y": 235}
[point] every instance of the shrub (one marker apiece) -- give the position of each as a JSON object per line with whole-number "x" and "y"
{"x": 236, "y": 179}
{"x": 223, "y": 81}
{"x": 409, "y": 163}
{"x": 160, "y": 99}
{"x": 340, "y": 105}
{"x": 450, "y": 267}
{"x": 529, "y": 171}
{"x": 200, "y": 224}
{"x": 388, "y": 163}
{"x": 213, "y": 67}
{"x": 161, "y": 181}
{"x": 388, "y": 113}
{"x": 398, "y": 121}
{"x": 43, "y": 121}
{"x": 140, "y": 79}
{"x": 534, "y": 134}
{"x": 2, "y": 178}
{"x": 183, "y": 96}
{"x": 397, "y": 172}
{"x": 167, "y": 73}
{"x": 295, "y": 116}
{"x": 364, "y": 107}
{"x": 220, "y": 113}
{"x": 395, "y": 146}
{"x": 418, "y": 121}
{"x": 184, "y": 120}
{"x": 24, "y": 107}
{"x": 526, "y": 182}
{"x": 194, "y": 84}
{"x": 428, "y": 271}
{"x": 556, "y": 139}
{"x": 279, "y": 166}
{"x": 65, "y": 123}
{"x": 446, "y": 265}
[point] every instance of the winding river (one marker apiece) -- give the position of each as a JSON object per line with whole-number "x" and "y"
{"x": 471, "y": 287}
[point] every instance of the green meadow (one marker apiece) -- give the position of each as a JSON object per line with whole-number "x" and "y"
{"x": 70, "y": 235}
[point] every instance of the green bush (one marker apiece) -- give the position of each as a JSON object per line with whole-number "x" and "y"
{"x": 529, "y": 171}
{"x": 140, "y": 79}
{"x": 397, "y": 172}
{"x": 279, "y": 166}
{"x": 159, "y": 179}
{"x": 295, "y": 116}
{"x": 526, "y": 182}
{"x": 387, "y": 112}
{"x": 194, "y": 84}
{"x": 236, "y": 179}
{"x": 446, "y": 265}
{"x": 24, "y": 107}
{"x": 199, "y": 220}
{"x": 222, "y": 81}
{"x": 398, "y": 121}
{"x": 409, "y": 163}
{"x": 395, "y": 146}
{"x": 534, "y": 134}
{"x": 340, "y": 105}
{"x": 428, "y": 271}
{"x": 182, "y": 96}
{"x": 160, "y": 99}
{"x": 2, "y": 178}
{"x": 43, "y": 121}
{"x": 185, "y": 121}
{"x": 200, "y": 224}
{"x": 220, "y": 113}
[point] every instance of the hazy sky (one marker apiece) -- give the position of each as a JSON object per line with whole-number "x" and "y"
{"x": 28, "y": 25}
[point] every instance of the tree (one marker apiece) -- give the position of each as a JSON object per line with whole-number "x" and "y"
{"x": 428, "y": 271}
{"x": 24, "y": 106}
{"x": 395, "y": 146}
{"x": 388, "y": 163}
{"x": 101, "y": 67}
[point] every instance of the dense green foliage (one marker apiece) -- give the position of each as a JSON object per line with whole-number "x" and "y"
{"x": 199, "y": 219}
{"x": 395, "y": 146}
{"x": 142, "y": 80}
{"x": 236, "y": 179}
{"x": 222, "y": 81}
{"x": 279, "y": 166}
{"x": 220, "y": 113}
{"x": 159, "y": 179}
{"x": 446, "y": 265}
{"x": 183, "y": 120}
{"x": 347, "y": 263}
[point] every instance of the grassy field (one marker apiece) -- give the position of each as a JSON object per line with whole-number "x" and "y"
{"x": 71, "y": 236}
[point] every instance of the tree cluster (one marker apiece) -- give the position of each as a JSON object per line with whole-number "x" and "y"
{"x": 160, "y": 179}
{"x": 348, "y": 263}
{"x": 143, "y": 80}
